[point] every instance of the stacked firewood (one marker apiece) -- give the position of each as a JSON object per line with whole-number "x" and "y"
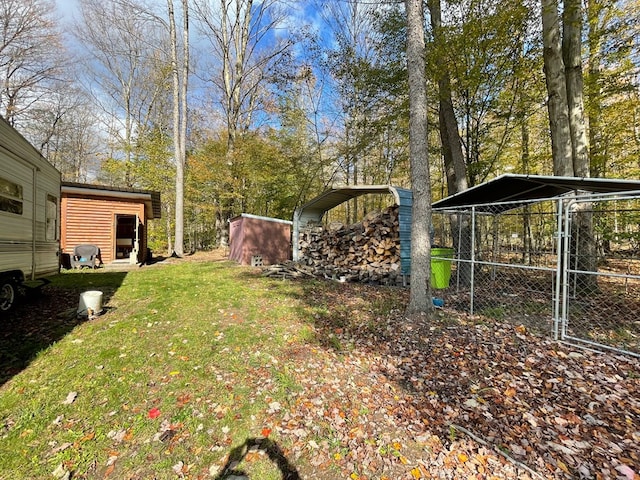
{"x": 367, "y": 251}
{"x": 288, "y": 270}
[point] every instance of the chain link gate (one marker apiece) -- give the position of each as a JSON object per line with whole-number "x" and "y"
{"x": 560, "y": 266}
{"x": 601, "y": 283}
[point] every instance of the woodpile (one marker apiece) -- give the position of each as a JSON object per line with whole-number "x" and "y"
{"x": 367, "y": 251}
{"x": 289, "y": 270}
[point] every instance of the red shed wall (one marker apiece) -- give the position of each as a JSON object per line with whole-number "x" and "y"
{"x": 236, "y": 240}
{"x": 254, "y": 236}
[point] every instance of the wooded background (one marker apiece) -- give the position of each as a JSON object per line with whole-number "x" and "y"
{"x": 281, "y": 100}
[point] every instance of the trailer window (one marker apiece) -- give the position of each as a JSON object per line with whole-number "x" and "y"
{"x": 10, "y": 197}
{"x": 52, "y": 218}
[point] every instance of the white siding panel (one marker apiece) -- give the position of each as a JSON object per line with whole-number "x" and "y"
{"x": 15, "y": 227}
{"x": 21, "y": 163}
{"x": 15, "y": 256}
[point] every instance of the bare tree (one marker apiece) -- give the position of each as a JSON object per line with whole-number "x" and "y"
{"x": 127, "y": 65}
{"x": 246, "y": 51}
{"x": 30, "y": 55}
{"x": 350, "y": 26}
{"x": 180, "y": 77}
{"x": 67, "y": 135}
{"x": 38, "y": 88}
{"x": 420, "y": 295}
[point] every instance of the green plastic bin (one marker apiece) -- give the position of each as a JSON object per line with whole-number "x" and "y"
{"x": 441, "y": 267}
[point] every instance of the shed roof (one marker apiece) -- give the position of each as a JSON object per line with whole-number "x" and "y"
{"x": 259, "y": 217}
{"x": 150, "y": 198}
{"x": 510, "y": 190}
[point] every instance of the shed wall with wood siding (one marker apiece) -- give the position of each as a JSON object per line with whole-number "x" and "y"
{"x": 92, "y": 220}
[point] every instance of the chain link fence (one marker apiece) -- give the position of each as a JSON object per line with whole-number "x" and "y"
{"x": 566, "y": 267}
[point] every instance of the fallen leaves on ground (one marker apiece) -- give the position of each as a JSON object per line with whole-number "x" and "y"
{"x": 458, "y": 398}
{"x": 153, "y": 413}
{"x": 71, "y": 397}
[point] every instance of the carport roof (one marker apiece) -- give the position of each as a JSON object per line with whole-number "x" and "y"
{"x": 316, "y": 208}
{"x": 509, "y": 190}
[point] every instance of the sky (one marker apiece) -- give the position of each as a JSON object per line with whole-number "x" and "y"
{"x": 66, "y": 8}
{"x": 299, "y": 11}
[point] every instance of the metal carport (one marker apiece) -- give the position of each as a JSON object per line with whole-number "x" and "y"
{"x": 312, "y": 212}
{"x": 510, "y": 190}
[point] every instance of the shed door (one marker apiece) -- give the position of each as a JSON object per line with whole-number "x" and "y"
{"x": 126, "y": 235}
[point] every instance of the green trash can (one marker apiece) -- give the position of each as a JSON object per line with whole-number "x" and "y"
{"x": 441, "y": 267}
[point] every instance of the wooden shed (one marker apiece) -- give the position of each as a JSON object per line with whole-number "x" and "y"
{"x": 114, "y": 219}
{"x": 258, "y": 240}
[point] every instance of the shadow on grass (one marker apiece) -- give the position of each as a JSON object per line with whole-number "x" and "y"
{"x": 41, "y": 318}
{"x": 354, "y": 310}
{"x": 266, "y": 445}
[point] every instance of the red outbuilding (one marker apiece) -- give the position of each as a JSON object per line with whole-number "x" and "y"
{"x": 258, "y": 240}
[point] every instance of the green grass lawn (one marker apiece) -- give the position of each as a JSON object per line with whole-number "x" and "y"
{"x": 187, "y": 363}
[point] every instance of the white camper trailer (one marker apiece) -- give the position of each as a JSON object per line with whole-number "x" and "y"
{"x": 29, "y": 214}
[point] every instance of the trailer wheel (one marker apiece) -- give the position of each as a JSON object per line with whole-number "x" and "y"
{"x": 7, "y": 294}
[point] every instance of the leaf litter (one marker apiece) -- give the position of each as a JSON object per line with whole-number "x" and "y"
{"x": 459, "y": 397}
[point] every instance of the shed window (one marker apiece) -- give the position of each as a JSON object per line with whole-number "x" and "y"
{"x": 52, "y": 218}
{"x": 10, "y": 197}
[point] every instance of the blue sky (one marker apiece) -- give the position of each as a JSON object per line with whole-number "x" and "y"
{"x": 66, "y": 8}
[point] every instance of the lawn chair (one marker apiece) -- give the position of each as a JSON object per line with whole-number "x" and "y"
{"x": 85, "y": 255}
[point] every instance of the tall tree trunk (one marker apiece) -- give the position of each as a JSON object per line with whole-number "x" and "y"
{"x": 572, "y": 57}
{"x": 232, "y": 39}
{"x": 354, "y": 213}
{"x": 566, "y": 119}
{"x": 454, "y": 162}
{"x": 179, "y": 78}
{"x": 584, "y": 256}
{"x": 594, "y": 90}
{"x": 175, "y": 76}
{"x": 168, "y": 229}
{"x": 526, "y": 215}
{"x": 557, "y": 90}
{"x": 183, "y": 97}
{"x": 449, "y": 133}
{"x": 420, "y": 294}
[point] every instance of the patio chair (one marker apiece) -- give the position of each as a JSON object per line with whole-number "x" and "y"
{"x": 85, "y": 255}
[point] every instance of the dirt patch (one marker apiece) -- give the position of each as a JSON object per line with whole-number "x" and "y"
{"x": 33, "y": 324}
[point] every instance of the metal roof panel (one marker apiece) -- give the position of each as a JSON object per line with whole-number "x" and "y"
{"x": 510, "y": 190}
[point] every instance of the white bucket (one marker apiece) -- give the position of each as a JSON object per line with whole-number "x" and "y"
{"x": 91, "y": 300}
